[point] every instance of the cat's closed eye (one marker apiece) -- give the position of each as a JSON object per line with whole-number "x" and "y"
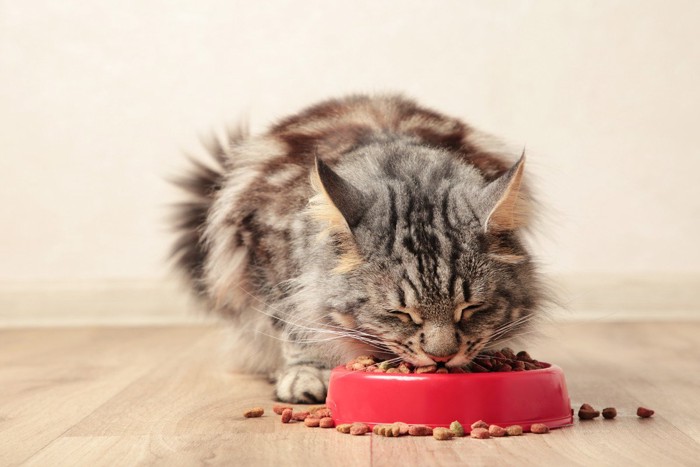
{"x": 467, "y": 311}
{"x": 406, "y": 316}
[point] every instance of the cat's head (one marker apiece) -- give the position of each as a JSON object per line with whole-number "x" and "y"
{"x": 429, "y": 249}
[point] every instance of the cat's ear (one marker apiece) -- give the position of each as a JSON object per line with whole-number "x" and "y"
{"x": 347, "y": 199}
{"x": 507, "y": 201}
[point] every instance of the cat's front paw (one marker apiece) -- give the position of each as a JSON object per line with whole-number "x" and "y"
{"x": 302, "y": 384}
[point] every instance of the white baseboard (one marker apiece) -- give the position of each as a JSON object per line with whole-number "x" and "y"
{"x": 166, "y": 302}
{"x": 108, "y": 303}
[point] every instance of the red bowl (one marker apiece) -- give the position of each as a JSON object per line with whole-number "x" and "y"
{"x": 512, "y": 398}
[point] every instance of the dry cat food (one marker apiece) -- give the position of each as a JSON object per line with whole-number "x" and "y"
{"x": 497, "y": 431}
{"x": 326, "y": 422}
{"x": 539, "y": 428}
{"x": 443, "y": 434}
{"x": 300, "y": 416}
{"x": 287, "y": 415}
{"x": 254, "y": 412}
{"x": 480, "y": 433}
{"x": 457, "y": 429}
{"x": 391, "y": 431}
{"x": 479, "y": 424}
{"x": 514, "y": 430}
{"x": 344, "y": 428}
{"x": 359, "y": 429}
{"x": 312, "y": 422}
{"x": 487, "y": 361}
{"x": 587, "y": 412}
{"x": 279, "y": 408}
{"x": 420, "y": 430}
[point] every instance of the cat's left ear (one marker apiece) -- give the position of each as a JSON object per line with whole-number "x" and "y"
{"x": 507, "y": 200}
{"x": 348, "y": 200}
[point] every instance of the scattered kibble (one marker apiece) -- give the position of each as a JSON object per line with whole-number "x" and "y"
{"x": 480, "y": 424}
{"x": 254, "y": 412}
{"x": 420, "y": 430}
{"x": 480, "y": 433}
{"x": 287, "y": 415}
{"x": 279, "y": 408}
{"x": 312, "y": 422}
{"x": 609, "y": 413}
{"x": 300, "y": 416}
{"x": 344, "y": 428}
{"x": 514, "y": 430}
{"x": 587, "y": 412}
{"x": 403, "y": 428}
{"x": 497, "y": 431}
{"x": 326, "y": 422}
{"x": 457, "y": 429}
{"x": 359, "y": 429}
{"x": 643, "y": 412}
{"x": 539, "y": 428}
{"x": 442, "y": 434}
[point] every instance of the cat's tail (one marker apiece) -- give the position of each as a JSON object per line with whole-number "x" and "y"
{"x": 201, "y": 183}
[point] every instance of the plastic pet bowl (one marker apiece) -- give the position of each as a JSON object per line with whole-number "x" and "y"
{"x": 509, "y": 398}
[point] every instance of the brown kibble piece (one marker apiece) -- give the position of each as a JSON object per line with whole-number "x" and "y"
{"x": 497, "y": 431}
{"x": 390, "y": 431}
{"x": 254, "y": 412}
{"x": 312, "y": 422}
{"x": 643, "y": 412}
{"x": 539, "y": 428}
{"x": 359, "y": 429}
{"x": 320, "y": 413}
{"x": 514, "y": 430}
{"x": 403, "y": 428}
{"x": 279, "y": 408}
{"x": 326, "y": 422}
{"x": 426, "y": 369}
{"x": 442, "y": 434}
{"x": 586, "y": 412}
{"x": 480, "y": 433}
{"x": 457, "y": 429}
{"x": 480, "y": 424}
{"x": 609, "y": 413}
{"x": 286, "y": 415}
{"x": 442, "y": 371}
{"x": 420, "y": 430}
{"x": 344, "y": 428}
{"x": 300, "y": 416}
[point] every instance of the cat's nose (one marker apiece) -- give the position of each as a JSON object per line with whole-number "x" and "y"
{"x": 441, "y": 359}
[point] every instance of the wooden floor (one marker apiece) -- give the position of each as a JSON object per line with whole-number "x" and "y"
{"x": 160, "y": 396}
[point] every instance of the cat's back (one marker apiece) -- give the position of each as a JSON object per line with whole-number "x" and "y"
{"x": 248, "y": 213}
{"x": 280, "y": 160}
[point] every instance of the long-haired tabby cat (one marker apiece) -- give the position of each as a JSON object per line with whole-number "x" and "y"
{"x": 362, "y": 225}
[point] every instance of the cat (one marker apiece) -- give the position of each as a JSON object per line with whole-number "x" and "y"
{"x": 360, "y": 225}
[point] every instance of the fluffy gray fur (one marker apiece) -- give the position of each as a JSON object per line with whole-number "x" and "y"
{"x": 364, "y": 225}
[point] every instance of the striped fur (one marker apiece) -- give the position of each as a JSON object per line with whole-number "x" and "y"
{"x": 412, "y": 220}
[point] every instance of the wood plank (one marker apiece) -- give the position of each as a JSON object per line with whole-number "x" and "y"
{"x": 184, "y": 409}
{"x": 46, "y": 392}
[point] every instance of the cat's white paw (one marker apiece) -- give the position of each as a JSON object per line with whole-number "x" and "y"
{"x": 302, "y": 384}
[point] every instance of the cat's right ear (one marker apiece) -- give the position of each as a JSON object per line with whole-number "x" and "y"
{"x": 506, "y": 200}
{"x": 347, "y": 199}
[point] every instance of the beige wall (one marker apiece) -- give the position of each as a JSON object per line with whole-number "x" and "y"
{"x": 98, "y": 100}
